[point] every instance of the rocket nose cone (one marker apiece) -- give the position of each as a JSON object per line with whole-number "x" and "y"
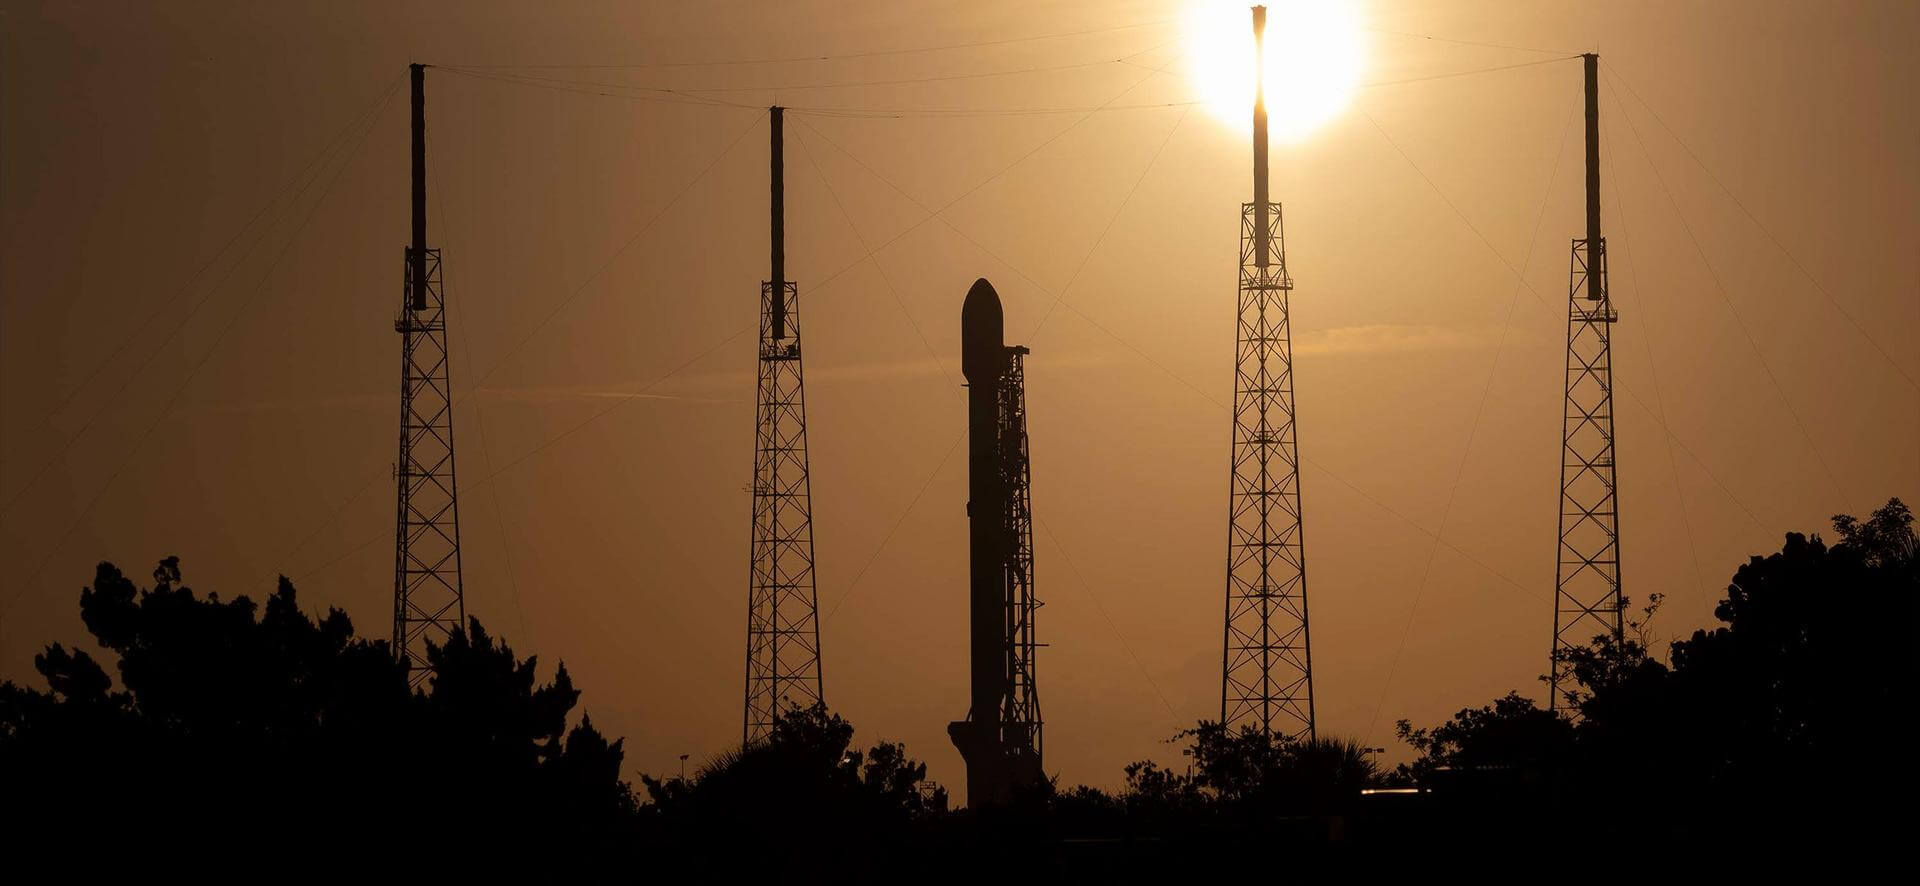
{"x": 982, "y": 333}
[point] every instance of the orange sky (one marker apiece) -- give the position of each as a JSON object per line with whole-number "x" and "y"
{"x": 138, "y": 140}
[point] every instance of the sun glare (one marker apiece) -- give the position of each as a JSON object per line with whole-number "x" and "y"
{"x": 1315, "y": 54}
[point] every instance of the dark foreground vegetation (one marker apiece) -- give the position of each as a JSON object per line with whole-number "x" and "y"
{"x": 241, "y": 731}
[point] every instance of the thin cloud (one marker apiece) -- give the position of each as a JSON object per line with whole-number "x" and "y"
{"x": 1389, "y": 337}
{"x": 560, "y": 393}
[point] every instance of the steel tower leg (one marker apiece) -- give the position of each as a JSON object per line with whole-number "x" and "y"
{"x": 783, "y": 628}
{"x": 1587, "y": 602}
{"x": 428, "y": 603}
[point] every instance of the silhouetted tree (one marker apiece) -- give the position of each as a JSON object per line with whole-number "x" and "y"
{"x": 1082, "y": 811}
{"x": 1510, "y": 732}
{"x": 1759, "y": 724}
{"x": 803, "y": 787}
{"x": 1814, "y": 665}
{"x": 1248, "y": 775}
{"x": 264, "y": 728}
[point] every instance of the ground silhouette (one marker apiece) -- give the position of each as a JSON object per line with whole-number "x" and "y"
{"x": 228, "y": 732}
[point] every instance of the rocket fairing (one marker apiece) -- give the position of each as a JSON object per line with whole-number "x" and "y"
{"x": 983, "y": 339}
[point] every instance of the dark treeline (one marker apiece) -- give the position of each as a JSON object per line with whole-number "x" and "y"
{"x": 1776, "y": 725}
{"x": 236, "y": 731}
{"x": 261, "y": 729}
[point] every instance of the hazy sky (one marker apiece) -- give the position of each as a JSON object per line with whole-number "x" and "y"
{"x": 596, "y": 246}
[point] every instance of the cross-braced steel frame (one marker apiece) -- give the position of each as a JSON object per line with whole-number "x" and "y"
{"x": 428, "y": 604}
{"x": 1587, "y": 601}
{"x": 783, "y": 629}
{"x": 1267, "y": 672}
{"x": 1020, "y": 717}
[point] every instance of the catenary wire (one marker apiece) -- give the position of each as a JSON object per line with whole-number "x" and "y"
{"x": 1101, "y": 608}
{"x": 1111, "y": 221}
{"x": 1549, "y": 306}
{"x": 299, "y": 187}
{"x": 1460, "y": 42}
{"x": 1184, "y": 381}
{"x": 326, "y": 151}
{"x": 828, "y": 280}
{"x": 206, "y": 355}
{"x": 617, "y": 253}
{"x": 1473, "y": 431}
{"x": 845, "y": 55}
{"x": 479, "y": 418}
{"x": 685, "y": 97}
{"x": 1777, "y": 243}
{"x": 878, "y": 266}
{"x": 549, "y": 442}
{"x": 1645, "y": 306}
{"x": 1740, "y": 322}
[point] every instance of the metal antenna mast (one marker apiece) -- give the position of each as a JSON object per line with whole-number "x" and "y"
{"x": 1587, "y": 600}
{"x": 783, "y": 626}
{"x": 1267, "y": 674}
{"x": 428, "y": 604}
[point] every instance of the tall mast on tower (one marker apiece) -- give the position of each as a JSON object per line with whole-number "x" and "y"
{"x": 783, "y": 625}
{"x": 1586, "y": 599}
{"x": 428, "y": 603}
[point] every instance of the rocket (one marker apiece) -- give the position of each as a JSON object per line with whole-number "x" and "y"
{"x": 996, "y": 762}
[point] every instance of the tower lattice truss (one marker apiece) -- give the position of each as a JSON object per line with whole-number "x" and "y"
{"x": 1020, "y": 718}
{"x": 428, "y": 604}
{"x": 1587, "y": 601}
{"x": 1268, "y": 676}
{"x": 783, "y": 633}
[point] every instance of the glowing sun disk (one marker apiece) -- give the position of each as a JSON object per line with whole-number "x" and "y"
{"x": 1314, "y": 56}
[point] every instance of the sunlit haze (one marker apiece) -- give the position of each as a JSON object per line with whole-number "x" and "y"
{"x": 1316, "y": 52}
{"x": 204, "y": 312}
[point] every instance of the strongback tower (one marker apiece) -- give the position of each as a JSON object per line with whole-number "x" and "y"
{"x": 1587, "y": 581}
{"x": 1267, "y": 674}
{"x": 1020, "y": 713}
{"x": 1000, "y": 739}
{"x": 783, "y": 628}
{"x": 427, "y": 601}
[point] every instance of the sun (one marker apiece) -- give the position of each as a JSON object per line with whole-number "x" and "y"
{"x": 1315, "y": 54}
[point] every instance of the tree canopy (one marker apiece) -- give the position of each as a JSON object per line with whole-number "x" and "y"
{"x": 1762, "y": 721}
{"x": 276, "y": 729}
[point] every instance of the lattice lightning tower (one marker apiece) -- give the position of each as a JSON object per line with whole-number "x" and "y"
{"x": 783, "y": 628}
{"x": 428, "y": 604}
{"x": 1587, "y": 600}
{"x": 1267, "y": 673}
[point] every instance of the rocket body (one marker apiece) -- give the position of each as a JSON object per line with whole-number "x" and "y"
{"x": 983, "y": 360}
